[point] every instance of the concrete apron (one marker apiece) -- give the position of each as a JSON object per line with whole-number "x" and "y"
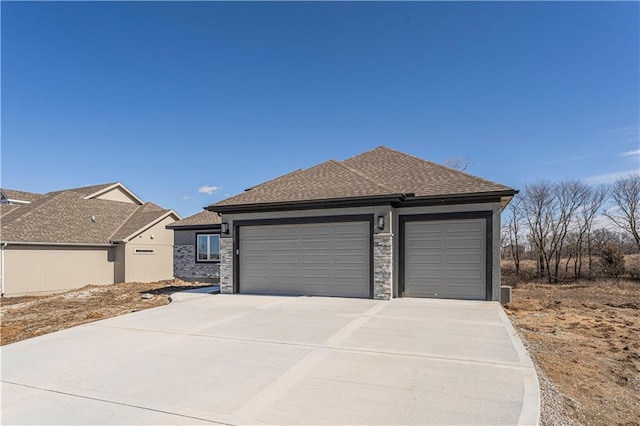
{"x": 239, "y": 359}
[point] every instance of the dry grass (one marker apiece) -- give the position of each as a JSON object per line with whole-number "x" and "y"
{"x": 30, "y": 316}
{"x": 585, "y": 336}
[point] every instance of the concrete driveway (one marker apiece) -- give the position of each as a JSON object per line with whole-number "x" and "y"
{"x": 237, "y": 359}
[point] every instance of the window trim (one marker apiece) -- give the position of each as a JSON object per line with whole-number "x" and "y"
{"x": 209, "y": 234}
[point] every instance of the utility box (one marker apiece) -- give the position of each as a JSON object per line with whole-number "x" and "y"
{"x": 505, "y": 294}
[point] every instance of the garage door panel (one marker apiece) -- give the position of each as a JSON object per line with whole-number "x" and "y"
{"x": 320, "y": 259}
{"x": 445, "y": 259}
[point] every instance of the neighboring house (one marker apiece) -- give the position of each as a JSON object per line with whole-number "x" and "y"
{"x": 196, "y": 252}
{"x": 379, "y": 225}
{"x": 99, "y": 234}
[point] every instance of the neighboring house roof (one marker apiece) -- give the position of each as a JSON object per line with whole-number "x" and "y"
{"x": 203, "y": 219}
{"x": 145, "y": 216}
{"x": 13, "y": 195}
{"x": 68, "y": 217}
{"x": 381, "y": 173}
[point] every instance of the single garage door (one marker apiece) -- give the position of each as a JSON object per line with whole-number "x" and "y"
{"x": 319, "y": 259}
{"x": 445, "y": 259}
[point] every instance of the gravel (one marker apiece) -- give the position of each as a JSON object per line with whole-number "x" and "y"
{"x": 554, "y": 405}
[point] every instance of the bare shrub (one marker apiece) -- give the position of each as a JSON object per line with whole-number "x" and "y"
{"x": 633, "y": 267}
{"x": 611, "y": 261}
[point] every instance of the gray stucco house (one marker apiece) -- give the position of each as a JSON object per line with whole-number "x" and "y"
{"x": 196, "y": 251}
{"x": 378, "y": 225}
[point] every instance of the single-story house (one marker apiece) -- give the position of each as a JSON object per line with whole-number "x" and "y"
{"x": 196, "y": 251}
{"x": 378, "y": 225}
{"x": 100, "y": 234}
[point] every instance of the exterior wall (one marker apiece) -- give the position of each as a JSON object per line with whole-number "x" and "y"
{"x": 48, "y": 269}
{"x": 117, "y": 194}
{"x": 185, "y": 266}
{"x": 386, "y": 252}
{"x": 150, "y": 267}
{"x": 120, "y": 263}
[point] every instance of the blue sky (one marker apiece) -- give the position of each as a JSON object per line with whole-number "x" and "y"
{"x": 172, "y": 97}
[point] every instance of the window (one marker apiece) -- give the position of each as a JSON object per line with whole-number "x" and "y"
{"x": 207, "y": 248}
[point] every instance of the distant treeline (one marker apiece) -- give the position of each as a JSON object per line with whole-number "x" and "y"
{"x": 574, "y": 230}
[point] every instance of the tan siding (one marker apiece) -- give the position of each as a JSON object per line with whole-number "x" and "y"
{"x": 117, "y": 194}
{"x": 49, "y": 269}
{"x": 120, "y": 264}
{"x": 151, "y": 267}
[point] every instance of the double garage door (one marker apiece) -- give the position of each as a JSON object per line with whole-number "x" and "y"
{"x": 442, "y": 259}
{"x": 315, "y": 259}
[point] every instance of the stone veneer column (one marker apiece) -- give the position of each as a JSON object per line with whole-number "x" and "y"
{"x": 382, "y": 265}
{"x": 226, "y": 265}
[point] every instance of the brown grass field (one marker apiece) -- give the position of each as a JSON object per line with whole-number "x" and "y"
{"x": 586, "y": 338}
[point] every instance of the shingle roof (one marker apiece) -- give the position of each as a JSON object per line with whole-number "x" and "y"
{"x": 145, "y": 214}
{"x": 203, "y": 218}
{"x": 85, "y": 190}
{"x": 65, "y": 217}
{"x": 379, "y": 172}
{"x": 12, "y": 194}
{"x": 405, "y": 173}
{"x": 328, "y": 180}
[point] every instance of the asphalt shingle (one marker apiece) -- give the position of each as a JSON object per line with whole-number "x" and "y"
{"x": 379, "y": 172}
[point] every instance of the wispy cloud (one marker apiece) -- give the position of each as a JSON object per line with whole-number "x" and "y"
{"x": 208, "y": 189}
{"x": 186, "y": 197}
{"x": 631, "y": 153}
{"x": 610, "y": 177}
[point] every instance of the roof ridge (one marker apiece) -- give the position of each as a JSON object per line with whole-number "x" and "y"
{"x": 362, "y": 175}
{"x": 440, "y": 165}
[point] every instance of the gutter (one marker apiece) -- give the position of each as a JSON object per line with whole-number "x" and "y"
{"x": 4, "y": 245}
{"x": 309, "y": 204}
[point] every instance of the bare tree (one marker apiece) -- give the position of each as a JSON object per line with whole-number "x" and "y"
{"x": 594, "y": 200}
{"x": 549, "y": 211}
{"x": 625, "y": 194}
{"x": 513, "y": 231}
{"x": 458, "y": 163}
{"x": 538, "y": 204}
{"x": 570, "y": 196}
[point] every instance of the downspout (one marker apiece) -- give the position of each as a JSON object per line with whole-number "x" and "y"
{"x": 2, "y": 266}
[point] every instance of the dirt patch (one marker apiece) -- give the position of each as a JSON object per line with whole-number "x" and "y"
{"x": 585, "y": 337}
{"x": 30, "y": 316}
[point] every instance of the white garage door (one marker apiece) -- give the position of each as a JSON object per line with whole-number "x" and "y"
{"x": 445, "y": 259}
{"x": 320, "y": 259}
